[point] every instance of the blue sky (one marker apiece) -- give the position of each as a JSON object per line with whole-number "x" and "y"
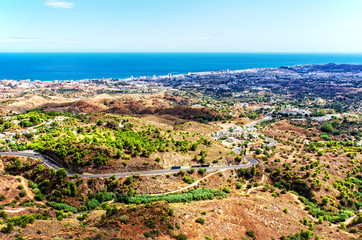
{"x": 180, "y": 26}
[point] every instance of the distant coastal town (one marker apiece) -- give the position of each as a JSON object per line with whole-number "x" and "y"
{"x": 325, "y": 80}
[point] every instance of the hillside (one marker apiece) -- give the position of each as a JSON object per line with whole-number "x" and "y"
{"x": 305, "y": 183}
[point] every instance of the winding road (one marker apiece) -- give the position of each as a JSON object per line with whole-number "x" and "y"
{"x": 53, "y": 164}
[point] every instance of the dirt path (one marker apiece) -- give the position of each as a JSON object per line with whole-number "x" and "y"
{"x": 348, "y": 220}
{"x": 252, "y": 189}
{"x": 14, "y": 210}
{"x": 28, "y": 191}
{"x": 191, "y": 185}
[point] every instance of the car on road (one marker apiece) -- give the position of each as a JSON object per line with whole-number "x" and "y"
{"x": 176, "y": 167}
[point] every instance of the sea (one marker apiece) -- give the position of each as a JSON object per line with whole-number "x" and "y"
{"x": 77, "y": 66}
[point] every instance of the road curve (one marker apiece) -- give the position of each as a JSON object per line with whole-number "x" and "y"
{"x": 53, "y": 164}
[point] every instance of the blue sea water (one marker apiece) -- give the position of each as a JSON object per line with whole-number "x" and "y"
{"x": 75, "y": 66}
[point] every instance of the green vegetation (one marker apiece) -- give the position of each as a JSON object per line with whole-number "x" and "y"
{"x": 303, "y": 235}
{"x": 192, "y": 195}
{"x": 98, "y": 144}
{"x": 62, "y": 206}
{"x": 200, "y": 220}
{"x": 250, "y": 233}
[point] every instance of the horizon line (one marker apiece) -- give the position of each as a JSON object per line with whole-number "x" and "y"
{"x": 165, "y": 52}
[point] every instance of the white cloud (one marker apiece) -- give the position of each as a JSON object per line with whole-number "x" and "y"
{"x": 59, "y": 4}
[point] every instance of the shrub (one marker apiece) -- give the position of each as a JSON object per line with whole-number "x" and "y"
{"x": 200, "y": 220}
{"x": 250, "y": 233}
{"x": 93, "y": 203}
{"x": 327, "y": 127}
{"x": 61, "y": 174}
{"x": 226, "y": 190}
{"x": 189, "y": 180}
{"x": 181, "y": 237}
{"x": 22, "y": 193}
{"x": 3, "y": 214}
{"x": 192, "y": 195}
{"x": 124, "y": 219}
{"x": 104, "y": 196}
{"x": 19, "y": 237}
{"x": 342, "y": 225}
{"x": 39, "y": 197}
{"x": 62, "y": 206}
{"x": 36, "y": 190}
{"x": 2, "y": 197}
{"x": 8, "y": 229}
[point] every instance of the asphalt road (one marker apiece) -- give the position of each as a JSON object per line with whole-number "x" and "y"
{"x": 252, "y": 124}
{"x": 52, "y": 163}
{"x": 46, "y": 160}
{"x": 272, "y": 142}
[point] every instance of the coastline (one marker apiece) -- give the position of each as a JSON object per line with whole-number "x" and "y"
{"x": 81, "y": 66}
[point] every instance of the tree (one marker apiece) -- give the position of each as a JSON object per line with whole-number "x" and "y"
{"x": 8, "y": 229}
{"x": 22, "y": 193}
{"x": 130, "y": 192}
{"x": 61, "y": 174}
{"x": 327, "y": 127}
{"x": 200, "y": 220}
{"x": 39, "y": 197}
{"x": 18, "y": 163}
{"x": 250, "y": 233}
{"x": 181, "y": 237}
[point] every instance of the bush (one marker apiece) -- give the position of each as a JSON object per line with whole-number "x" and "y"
{"x": 192, "y": 195}
{"x": 104, "y": 196}
{"x": 36, "y": 190}
{"x": 124, "y": 219}
{"x": 93, "y": 203}
{"x": 39, "y": 197}
{"x": 3, "y": 214}
{"x": 61, "y": 174}
{"x": 181, "y": 237}
{"x": 226, "y": 190}
{"x": 189, "y": 180}
{"x": 342, "y": 225}
{"x": 304, "y": 234}
{"x": 200, "y": 220}
{"x": 2, "y": 197}
{"x": 8, "y": 229}
{"x": 250, "y": 233}
{"x": 316, "y": 212}
{"x": 62, "y": 206}
{"x": 327, "y": 127}
{"x": 19, "y": 237}
{"x": 22, "y": 193}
